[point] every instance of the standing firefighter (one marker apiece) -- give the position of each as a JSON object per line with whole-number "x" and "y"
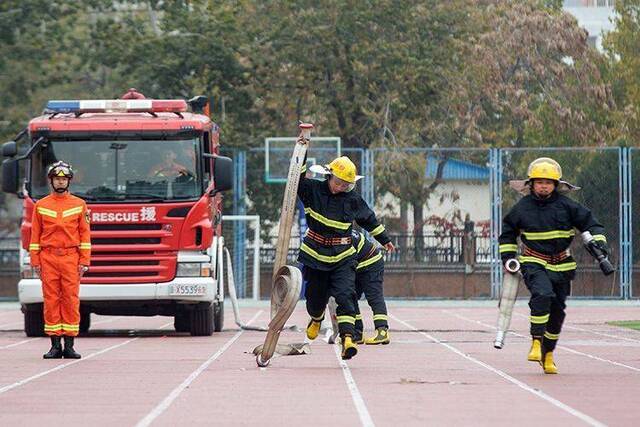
{"x": 60, "y": 249}
{"x": 327, "y": 253}
{"x": 545, "y": 221}
{"x": 369, "y": 279}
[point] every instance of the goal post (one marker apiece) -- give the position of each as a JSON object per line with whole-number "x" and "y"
{"x": 278, "y": 151}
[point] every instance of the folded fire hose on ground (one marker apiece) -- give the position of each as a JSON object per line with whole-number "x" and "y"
{"x": 284, "y": 297}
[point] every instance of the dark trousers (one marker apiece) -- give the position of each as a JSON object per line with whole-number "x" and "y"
{"x": 370, "y": 282}
{"x": 339, "y": 283}
{"x": 549, "y": 291}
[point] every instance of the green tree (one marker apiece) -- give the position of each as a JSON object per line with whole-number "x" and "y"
{"x": 354, "y": 72}
{"x": 534, "y": 81}
{"x": 39, "y": 46}
{"x": 345, "y": 64}
{"x": 177, "y": 49}
{"x": 622, "y": 45}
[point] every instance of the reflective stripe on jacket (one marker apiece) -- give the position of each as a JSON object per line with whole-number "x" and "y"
{"x": 546, "y": 226}
{"x": 60, "y": 221}
{"x": 332, "y": 215}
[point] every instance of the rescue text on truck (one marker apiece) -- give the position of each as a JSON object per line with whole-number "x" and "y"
{"x": 151, "y": 175}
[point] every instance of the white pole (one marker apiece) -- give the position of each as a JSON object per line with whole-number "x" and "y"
{"x": 256, "y": 261}
{"x": 241, "y": 217}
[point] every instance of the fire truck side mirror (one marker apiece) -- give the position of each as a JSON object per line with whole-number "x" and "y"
{"x": 222, "y": 173}
{"x": 10, "y": 176}
{"x": 9, "y": 149}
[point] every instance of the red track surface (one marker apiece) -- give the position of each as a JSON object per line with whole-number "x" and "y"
{"x": 440, "y": 369}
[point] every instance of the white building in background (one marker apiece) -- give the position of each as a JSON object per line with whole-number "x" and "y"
{"x": 595, "y": 16}
{"x": 463, "y": 193}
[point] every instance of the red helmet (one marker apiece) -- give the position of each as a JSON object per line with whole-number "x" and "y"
{"x": 60, "y": 168}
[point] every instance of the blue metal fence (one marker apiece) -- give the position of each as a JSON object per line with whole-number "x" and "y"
{"x": 240, "y": 227}
{"x": 614, "y": 171}
{"x": 500, "y": 163}
{"x": 626, "y": 259}
{"x": 495, "y": 161}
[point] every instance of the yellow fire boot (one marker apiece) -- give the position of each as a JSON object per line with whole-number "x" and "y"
{"x": 548, "y": 365}
{"x": 535, "y": 354}
{"x": 349, "y": 348}
{"x": 381, "y": 337}
{"x": 313, "y": 329}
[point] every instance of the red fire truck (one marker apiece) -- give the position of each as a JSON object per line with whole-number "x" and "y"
{"x": 151, "y": 175}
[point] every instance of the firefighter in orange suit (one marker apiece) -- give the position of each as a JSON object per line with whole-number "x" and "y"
{"x": 60, "y": 249}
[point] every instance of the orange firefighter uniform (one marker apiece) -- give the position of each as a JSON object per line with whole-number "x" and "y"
{"x": 60, "y": 243}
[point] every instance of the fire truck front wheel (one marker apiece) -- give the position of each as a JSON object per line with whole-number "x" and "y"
{"x": 33, "y": 320}
{"x": 85, "y": 321}
{"x": 202, "y": 321}
{"x": 182, "y": 321}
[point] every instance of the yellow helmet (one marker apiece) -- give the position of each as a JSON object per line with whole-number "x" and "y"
{"x": 545, "y": 168}
{"x": 343, "y": 168}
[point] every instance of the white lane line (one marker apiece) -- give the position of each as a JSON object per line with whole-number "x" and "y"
{"x": 570, "y": 350}
{"x": 167, "y": 401}
{"x": 11, "y": 324}
{"x": 2, "y": 313}
{"x": 19, "y": 322}
{"x": 64, "y": 365}
{"x": 603, "y": 334}
{"x": 358, "y": 401}
{"x": 568, "y": 326}
{"x": 18, "y": 343}
{"x": 584, "y": 417}
{"x": 38, "y": 338}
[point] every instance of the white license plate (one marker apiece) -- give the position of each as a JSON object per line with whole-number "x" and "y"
{"x": 188, "y": 290}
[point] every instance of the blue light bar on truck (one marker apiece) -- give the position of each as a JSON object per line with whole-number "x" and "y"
{"x": 117, "y": 105}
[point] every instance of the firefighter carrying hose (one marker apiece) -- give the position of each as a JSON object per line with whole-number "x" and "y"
{"x": 327, "y": 253}
{"x": 369, "y": 279}
{"x": 545, "y": 220}
{"x": 60, "y": 249}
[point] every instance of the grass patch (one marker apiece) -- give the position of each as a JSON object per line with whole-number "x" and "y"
{"x": 631, "y": 324}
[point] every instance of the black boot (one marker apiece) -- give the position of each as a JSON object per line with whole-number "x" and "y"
{"x": 56, "y": 349}
{"x": 69, "y": 352}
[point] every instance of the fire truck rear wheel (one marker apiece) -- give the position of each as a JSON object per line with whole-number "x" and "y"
{"x": 34, "y": 320}
{"x": 218, "y": 316}
{"x": 85, "y": 322}
{"x": 202, "y": 321}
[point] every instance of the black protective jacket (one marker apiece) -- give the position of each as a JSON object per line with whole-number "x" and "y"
{"x": 332, "y": 216}
{"x": 546, "y": 226}
{"x": 368, "y": 255}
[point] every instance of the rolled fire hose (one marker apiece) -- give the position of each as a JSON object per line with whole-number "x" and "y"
{"x": 284, "y": 297}
{"x": 507, "y": 300}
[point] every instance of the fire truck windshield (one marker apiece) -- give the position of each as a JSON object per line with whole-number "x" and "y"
{"x": 123, "y": 170}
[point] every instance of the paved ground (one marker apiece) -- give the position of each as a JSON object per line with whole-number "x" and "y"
{"x": 440, "y": 369}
